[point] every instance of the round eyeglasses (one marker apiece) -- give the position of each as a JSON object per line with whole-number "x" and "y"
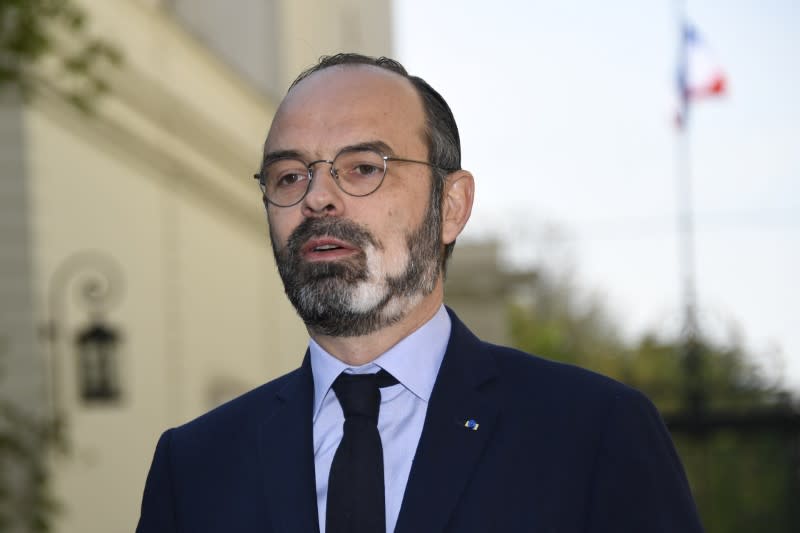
{"x": 285, "y": 181}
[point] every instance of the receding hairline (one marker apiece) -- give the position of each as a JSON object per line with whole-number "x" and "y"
{"x": 378, "y": 70}
{"x": 350, "y": 66}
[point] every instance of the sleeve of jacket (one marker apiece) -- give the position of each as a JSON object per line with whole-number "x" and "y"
{"x": 639, "y": 483}
{"x": 158, "y": 511}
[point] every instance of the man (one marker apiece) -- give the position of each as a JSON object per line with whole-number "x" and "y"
{"x": 365, "y": 198}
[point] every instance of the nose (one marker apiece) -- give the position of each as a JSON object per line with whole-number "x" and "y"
{"x": 324, "y": 197}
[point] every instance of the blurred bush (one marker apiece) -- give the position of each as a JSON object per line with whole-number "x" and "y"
{"x": 738, "y": 434}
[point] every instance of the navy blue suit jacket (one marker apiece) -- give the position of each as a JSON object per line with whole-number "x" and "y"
{"x": 558, "y": 450}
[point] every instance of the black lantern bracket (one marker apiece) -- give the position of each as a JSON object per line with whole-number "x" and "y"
{"x": 94, "y": 279}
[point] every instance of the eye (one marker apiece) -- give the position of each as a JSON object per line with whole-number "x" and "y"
{"x": 285, "y": 173}
{"x": 289, "y": 179}
{"x": 366, "y": 170}
{"x": 359, "y": 165}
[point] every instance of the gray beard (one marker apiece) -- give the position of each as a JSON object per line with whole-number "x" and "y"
{"x": 324, "y": 293}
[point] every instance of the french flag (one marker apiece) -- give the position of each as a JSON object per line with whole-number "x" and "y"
{"x": 699, "y": 74}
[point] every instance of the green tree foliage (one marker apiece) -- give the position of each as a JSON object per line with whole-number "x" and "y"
{"x": 555, "y": 322}
{"x": 26, "y": 502}
{"x": 26, "y": 440}
{"x": 744, "y": 473}
{"x": 45, "y": 45}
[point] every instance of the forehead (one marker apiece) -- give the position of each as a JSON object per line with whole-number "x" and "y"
{"x": 349, "y": 104}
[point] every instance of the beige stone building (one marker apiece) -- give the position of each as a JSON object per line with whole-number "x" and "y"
{"x": 137, "y": 288}
{"x": 480, "y": 288}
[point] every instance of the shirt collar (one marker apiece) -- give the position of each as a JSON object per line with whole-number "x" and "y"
{"x": 414, "y": 361}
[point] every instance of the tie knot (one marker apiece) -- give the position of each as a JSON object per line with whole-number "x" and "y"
{"x": 358, "y": 394}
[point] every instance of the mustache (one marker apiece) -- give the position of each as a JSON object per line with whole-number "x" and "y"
{"x": 338, "y": 228}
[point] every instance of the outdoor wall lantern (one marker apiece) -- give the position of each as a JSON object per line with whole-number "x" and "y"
{"x": 95, "y": 278}
{"x": 98, "y": 363}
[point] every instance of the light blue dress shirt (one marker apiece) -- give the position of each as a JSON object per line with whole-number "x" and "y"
{"x": 415, "y": 362}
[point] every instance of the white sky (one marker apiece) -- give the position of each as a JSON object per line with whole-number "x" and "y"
{"x": 565, "y": 111}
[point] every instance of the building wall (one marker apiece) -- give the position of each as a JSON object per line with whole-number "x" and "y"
{"x": 311, "y": 28}
{"x": 480, "y": 289}
{"x": 153, "y": 190}
{"x": 17, "y": 331}
{"x": 245, "y": 34}
{"x": 271, "y": 41}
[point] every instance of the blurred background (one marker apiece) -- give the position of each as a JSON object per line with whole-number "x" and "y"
{"x": 137, "y": 288}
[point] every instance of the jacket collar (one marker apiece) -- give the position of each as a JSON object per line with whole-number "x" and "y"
{"x": 460, "y": 419}
{"x": 288, "y": 456}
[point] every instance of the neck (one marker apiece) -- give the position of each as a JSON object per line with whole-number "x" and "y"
{"x": 357, "y": 351}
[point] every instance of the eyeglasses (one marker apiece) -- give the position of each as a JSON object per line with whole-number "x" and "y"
{"x": 285, "y": 181}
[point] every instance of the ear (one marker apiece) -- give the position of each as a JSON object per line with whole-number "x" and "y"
{"x": 459, "y": 192}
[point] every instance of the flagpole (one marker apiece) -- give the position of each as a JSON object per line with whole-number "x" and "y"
{"x": 686, "y": 241}
{"x": 691, "y": 357}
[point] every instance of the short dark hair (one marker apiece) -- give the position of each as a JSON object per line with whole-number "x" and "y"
{"x": 441, "y": 132}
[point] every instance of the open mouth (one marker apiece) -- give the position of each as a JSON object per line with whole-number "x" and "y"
{"x": 327, "y": 249}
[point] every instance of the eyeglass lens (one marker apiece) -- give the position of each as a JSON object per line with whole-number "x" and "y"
{"x": 357, "y": 172}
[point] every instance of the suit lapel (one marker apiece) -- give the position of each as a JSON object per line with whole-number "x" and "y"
{"x": 448, "y": 452}
{"x": 288, "y": 456}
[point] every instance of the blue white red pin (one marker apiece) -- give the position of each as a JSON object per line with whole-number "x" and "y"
{"x": 472, "y": 424}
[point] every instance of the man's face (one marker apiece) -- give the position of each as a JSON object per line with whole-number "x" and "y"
{"x": 353, "y": 265}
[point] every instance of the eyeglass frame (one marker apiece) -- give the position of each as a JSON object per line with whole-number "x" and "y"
{"x": 310, "y": 167}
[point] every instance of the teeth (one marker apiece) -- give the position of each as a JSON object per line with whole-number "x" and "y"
{"x": 325, "y": 247}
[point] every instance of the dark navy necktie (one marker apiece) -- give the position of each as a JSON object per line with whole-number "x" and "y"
{"x": 356, "y": 497}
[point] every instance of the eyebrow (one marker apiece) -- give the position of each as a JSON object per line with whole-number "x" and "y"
{"x": 376, "y": 145}
{"x": 269, "y": 157}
